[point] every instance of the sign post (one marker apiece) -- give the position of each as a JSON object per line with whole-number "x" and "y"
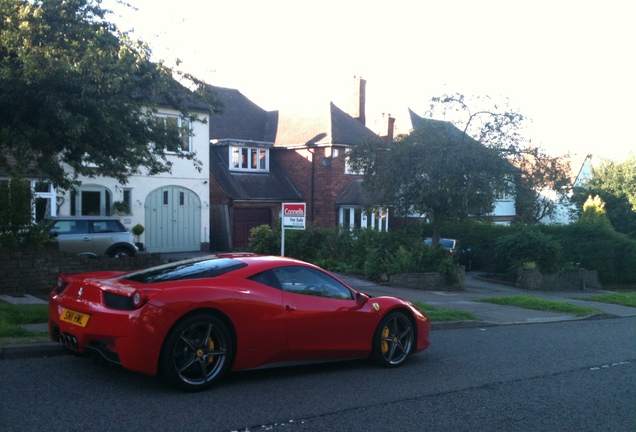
{"x": 293, "y": 218}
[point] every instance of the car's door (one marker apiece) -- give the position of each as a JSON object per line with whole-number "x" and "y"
{"x": 322, "y": 317}
{"x": 73, "y": 236}
{"x": 104, "y": 234}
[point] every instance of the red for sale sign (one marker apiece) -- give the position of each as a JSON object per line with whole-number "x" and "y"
{"x": 294, "y": 215}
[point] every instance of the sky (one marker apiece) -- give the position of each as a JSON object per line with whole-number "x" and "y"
{"x": 567, "y": 65}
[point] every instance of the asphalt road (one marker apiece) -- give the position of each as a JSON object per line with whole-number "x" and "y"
{"x": 567, "y": 376}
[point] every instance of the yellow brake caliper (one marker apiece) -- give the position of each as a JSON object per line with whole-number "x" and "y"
{"x": 384, "y": 346}
{"x": 210, "y": 347}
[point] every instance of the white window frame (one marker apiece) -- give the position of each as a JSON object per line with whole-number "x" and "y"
{"x": 105, "y": 197}
{"x": 248, "y": 159}
{"x": 190, "y": 139}
{"x": 353, "y": 217}
{"x": 348, "y": 169}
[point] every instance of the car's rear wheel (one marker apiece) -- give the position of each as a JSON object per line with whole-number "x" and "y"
{"x": 393, "y": 340}
{"x": 197, "y": 353}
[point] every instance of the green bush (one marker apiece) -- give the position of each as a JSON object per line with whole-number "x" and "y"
{"x": 527, "y": 244}
{"x": 369, "y": 253}
{"x": 264, "y": 240}
{"x": 597, "y": 246}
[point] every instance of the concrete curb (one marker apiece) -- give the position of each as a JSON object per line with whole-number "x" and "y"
{"x": 35, "y": 350}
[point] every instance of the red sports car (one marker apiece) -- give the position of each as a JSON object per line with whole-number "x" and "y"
{"x": 192, "y": 321}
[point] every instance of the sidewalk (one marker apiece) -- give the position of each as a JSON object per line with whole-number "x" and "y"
{"x": 488, "y": 314}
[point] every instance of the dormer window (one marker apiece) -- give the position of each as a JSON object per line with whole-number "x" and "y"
{"x": 253, "y": 159}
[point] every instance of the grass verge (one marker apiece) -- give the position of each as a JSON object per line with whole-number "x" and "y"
{"x": 13, "y": 316}
{"x": 440, "y": 314}
{"x": 623, "y": 299}
{"x": 530, "y": 302}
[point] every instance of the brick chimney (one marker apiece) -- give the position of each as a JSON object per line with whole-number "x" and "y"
{"x": 390, "y": 127}
{"x": 359, "y": 99}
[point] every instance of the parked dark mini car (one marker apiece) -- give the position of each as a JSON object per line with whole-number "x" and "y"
{"x": 88, "y": 235}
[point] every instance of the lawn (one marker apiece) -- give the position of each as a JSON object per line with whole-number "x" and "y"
{"x": 530, "y": 302}
{"x": 440, "y": 314}
{"x": 11, "y": 318}
{"x": 624, "y": 299}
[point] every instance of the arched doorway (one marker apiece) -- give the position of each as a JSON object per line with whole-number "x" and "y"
{"x": 173, "y": 220}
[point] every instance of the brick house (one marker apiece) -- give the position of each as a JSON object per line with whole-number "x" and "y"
{"x": 260, "y": 159}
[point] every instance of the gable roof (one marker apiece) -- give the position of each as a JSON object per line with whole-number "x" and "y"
{"x": 271, "y": 186}
{"x": 326, "y": 125}
{"x": 439, "y": 128}
{"x": 241, "y": 119}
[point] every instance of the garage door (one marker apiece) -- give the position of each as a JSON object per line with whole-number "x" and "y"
{"x": 244, "y": 219}
{"x": 173, "y": 220}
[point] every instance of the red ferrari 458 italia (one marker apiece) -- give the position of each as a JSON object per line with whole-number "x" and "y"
{"x": 193, "y": 321}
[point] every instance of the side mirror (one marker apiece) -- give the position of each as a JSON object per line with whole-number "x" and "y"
{"x": 361, "y": 298}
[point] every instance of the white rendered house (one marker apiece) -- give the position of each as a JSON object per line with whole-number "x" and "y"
{"x": 172, "y": 207}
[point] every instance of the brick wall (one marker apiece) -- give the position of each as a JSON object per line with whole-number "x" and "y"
{"x": 427, "y": 281}
{"x": 329, "y": 179}
{"x": 35, "y": 272}
{"x": 572, "y": 280}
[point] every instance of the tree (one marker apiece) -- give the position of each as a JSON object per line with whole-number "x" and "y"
{"x": 540, "y": 176}
{"x": 615, "y": 184}
{"x": 498, "y": 126}
{"x": 436, "y": 170}
{"x": 74, "y": 90}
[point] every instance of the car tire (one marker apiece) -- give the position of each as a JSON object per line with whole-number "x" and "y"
{"x": 120, "y": 253}
{"x": 393, "y": 340}
{"x": 197, "y": 353}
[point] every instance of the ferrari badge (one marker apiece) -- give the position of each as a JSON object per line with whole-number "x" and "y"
{"x": 376, "y": 306}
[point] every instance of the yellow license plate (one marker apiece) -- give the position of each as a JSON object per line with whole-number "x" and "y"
{"x": 74, "y": 317}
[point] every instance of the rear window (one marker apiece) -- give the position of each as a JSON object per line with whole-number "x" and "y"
{"x": 206, "y": 268}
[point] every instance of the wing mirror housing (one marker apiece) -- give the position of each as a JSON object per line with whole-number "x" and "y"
{"x": 361, "y": 298}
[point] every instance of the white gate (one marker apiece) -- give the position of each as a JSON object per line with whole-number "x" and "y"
{"x": 173, "y": 220}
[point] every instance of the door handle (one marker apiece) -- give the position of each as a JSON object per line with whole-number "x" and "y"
{"x": 289, "y": 308}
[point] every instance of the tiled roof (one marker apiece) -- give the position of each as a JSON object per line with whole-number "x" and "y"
{"x": 326, "y": 125}
{"x": 356, "y": 194}
{"x": 272, "y": 186}
{"x": 439, "y": 128}
{"x": 241, "y": 119}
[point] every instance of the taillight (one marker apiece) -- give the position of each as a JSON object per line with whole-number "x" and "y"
{"x": 139, "y": 299}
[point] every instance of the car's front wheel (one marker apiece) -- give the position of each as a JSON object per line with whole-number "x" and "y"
{"x": 120, "y": 253}
{"x": 197, "y": 353}
{"x": 393, "y": 340}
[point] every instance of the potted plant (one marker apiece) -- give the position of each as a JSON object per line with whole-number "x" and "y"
{"x": 137, "y": 231}
{"x": 121, "y": 208}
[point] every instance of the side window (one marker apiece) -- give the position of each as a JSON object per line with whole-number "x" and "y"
{"x": 308, "y": 281}
{"x": 106, "y": 226}
{"x": 266, "y": 278}
{"x": 64, "y": 227}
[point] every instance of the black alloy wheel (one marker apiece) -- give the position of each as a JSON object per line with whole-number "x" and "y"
{"x": 393, "y": 340}
{"x": 197, "y": 353}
